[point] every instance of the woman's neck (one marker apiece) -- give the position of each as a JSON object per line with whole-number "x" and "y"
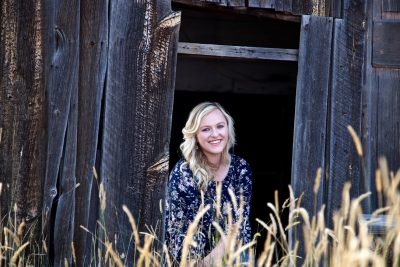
{"x": 215, "y": 161}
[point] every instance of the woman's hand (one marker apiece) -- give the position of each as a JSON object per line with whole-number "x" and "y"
{"x": 215, "y": 255}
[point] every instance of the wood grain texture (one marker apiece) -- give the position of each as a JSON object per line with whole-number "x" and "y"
{"x": 238, "y": 52}
{"x": 348, "y": 58}
{"x": 369, "y": 109}
{"x": 62, "y": 86}
{"x": 65, "y": 207}
{"x": 300, "y": 7}
{"x": 267, "y": 12}
{"x": 386, "y": 44}
{"x": 22, "y": 110}
{"x": 388, "y": 119}
{"x": 391, "y": 5}
{"x": 62, "y": 81}
{"x": 310, "y": 137}
{"x": 262, "y": 3}
{"x": 380, "y": 106}
{"x": 93, "y": 45}
{"x": 216, "y": 2}
{"x": 138, "y": 113}
{"x": 236, "y": 3}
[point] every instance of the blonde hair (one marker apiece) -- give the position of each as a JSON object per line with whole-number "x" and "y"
{"x": 193, "y": 155}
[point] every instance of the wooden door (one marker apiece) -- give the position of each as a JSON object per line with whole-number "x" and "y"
{"x": 328, "y": 100}
{"x": 381, "y": 104}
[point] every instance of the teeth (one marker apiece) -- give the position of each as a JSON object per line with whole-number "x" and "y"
{"x": 215, "y": 142}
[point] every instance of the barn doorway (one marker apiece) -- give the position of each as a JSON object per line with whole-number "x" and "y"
{"x": 259, "y": 94}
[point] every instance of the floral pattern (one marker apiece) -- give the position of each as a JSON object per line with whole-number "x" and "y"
{"x": 184, "y": 199}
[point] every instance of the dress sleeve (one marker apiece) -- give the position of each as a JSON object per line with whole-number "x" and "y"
{"x": 176, "y": 221}
{"x": 245, "y": 189}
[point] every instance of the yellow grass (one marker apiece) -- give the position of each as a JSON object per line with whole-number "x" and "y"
{"x": 349, "y": 242}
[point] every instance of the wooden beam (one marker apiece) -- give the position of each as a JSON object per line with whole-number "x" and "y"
{"x": 259, "y": 11}
{"x": 240, "y": 52}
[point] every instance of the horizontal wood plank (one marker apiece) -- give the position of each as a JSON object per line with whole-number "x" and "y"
{"x": 240, "y": 52}
{"x": 265, "y": 9}
{"x": 386, "y": 44}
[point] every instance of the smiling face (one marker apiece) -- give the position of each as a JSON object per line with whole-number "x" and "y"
{"x": 213, "y": 134}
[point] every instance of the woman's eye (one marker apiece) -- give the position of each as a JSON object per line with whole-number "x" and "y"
{"x": 205, "y": 129}
{"x": 220, "y": 126}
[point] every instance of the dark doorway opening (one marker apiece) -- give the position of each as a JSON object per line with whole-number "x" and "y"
{"x": 259, "y": 94}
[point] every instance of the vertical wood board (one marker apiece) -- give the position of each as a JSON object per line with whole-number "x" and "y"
{"x": 391, "y": 5}
{"x": 217, "y": 2}
{"x": 62, "y": 81}
{"x": 311, "y": 106}
{"x": 312, "y": 93}
{"x": 93, "y": 45}
{"x": 262, "y": 3}
{"x": 65, "y": 207}
{"x": 23, "y": 130}
{"x": 344, "y": 163}
{"x": 388, "y": 119}
{"x": 137, "y": 118}
{"x": 236, "y": 3}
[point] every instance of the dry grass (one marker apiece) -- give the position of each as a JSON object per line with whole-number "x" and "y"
{"x": 348, "y": 243}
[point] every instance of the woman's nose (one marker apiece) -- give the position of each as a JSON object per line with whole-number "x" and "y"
{"x": 214, "y": 132}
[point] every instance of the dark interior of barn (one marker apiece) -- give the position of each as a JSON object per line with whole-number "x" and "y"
{"x": 259, "y": 94}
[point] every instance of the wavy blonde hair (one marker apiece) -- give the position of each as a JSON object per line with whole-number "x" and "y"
{"x": 194, "y": 157}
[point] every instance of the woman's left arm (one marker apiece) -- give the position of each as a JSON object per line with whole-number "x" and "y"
{"x": 244, "y": 190}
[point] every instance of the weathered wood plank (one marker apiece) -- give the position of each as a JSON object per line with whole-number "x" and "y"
{"x": 388, "y": 119}
{"x": 313, "y": 7}
{"x": 137, "y": 118}
{"x": 236, "y": 3}
{"x": 22, "y": 110}
{"x": 301, "y": 7}
{"x": 258, "y": 12}
{"x": 348, "y": 59}
{"x": 309, "y": 138}
{"x": 386, "y": 44}
{"x": 62, "y": 82}
{"x": 369, "y": 109}
{"x": 65, "y": 211}
{"x": 239, "y": 52}
{"x": 287, "y": 6}
{"x": 92, "y": 69}
{"x": 380, "y": 109}
{"x": 391, "y": 5}
{"x": 279, "y": 5}
{"x": 216, "y": 2}
{"x": 262, "y": 3}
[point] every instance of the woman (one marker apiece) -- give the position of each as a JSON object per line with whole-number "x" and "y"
{"x": 208, "y": 137}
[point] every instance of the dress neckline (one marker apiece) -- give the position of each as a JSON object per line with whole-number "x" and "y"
{"x": 227, "y": 176}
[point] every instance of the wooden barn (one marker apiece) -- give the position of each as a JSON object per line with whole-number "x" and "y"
{"x": 94, "y": 94}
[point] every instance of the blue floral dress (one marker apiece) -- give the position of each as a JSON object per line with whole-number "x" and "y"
{"x": 184, "y": 199}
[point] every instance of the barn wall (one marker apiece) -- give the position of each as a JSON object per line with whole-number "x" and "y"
{"x": 381, "y": 102}
{"x": 56, "y": 58}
